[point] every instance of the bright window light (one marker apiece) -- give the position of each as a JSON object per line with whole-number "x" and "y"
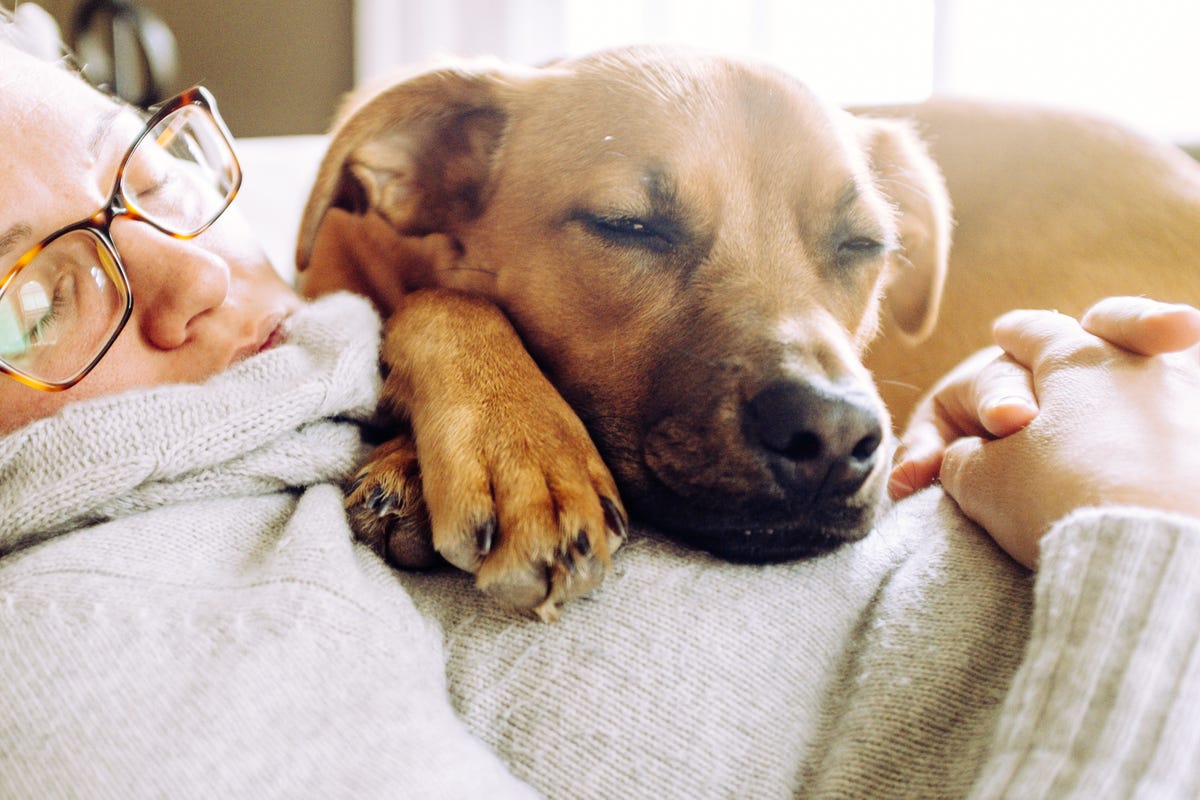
{"x": 851, "y": 51}
{"x": 1125, "y": 58}
{"x": 1134, "y": 60}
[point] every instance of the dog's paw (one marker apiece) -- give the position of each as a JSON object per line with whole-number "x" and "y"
{"x": 386, "y": 508}
{"x": 525, "y": 503}
{"x": 514, "y": 490}
{"x": 535, "y": 522}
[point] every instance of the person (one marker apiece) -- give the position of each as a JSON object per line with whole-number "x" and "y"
{"x": 219, "y": 301}
{"x": 185, "y": 611}
{"x": 182, "y": 607}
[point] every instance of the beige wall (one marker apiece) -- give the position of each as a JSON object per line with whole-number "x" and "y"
{"x": 275, "y": 66}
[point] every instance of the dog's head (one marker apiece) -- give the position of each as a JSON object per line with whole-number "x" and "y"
{"x": 696, "y": 251}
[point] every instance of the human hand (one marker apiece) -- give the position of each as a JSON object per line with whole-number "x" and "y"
{"x": 990, "y": 396}
{"x": 1117, "y": 396}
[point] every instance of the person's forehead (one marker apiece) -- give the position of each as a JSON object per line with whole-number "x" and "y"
{"x": 56, "y": 130}
{"x": 50, "y": 116}
{"x": 44, "y": 98}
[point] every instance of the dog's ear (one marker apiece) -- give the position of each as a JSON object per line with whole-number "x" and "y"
{"x": 418, "y": 154}
{"x": 910, "y": 179}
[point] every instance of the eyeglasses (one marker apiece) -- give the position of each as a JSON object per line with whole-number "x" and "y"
{"x": 65, "y": 301}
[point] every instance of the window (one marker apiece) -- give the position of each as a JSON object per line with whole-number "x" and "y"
{"x": 1128, "y": 59}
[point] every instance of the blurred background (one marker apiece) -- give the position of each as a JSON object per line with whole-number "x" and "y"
{"x": 279, "y": 66}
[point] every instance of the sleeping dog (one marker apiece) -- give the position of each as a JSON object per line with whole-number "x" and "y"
{"x": 647, "y": 269}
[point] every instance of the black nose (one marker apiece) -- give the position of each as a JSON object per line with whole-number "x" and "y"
{"x": 818, "y": 439}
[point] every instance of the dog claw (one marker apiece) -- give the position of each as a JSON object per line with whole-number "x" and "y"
{"x": 547, "y": 611}
{"x": 374, "y": 498}
{"x": 387, "y": 506}
{"x": 485, "y": 535}
{"x": 614, "y": 519}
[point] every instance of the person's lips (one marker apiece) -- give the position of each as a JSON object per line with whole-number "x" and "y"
{"x": 274, "y": 337}
{"x": 271, "y": 333}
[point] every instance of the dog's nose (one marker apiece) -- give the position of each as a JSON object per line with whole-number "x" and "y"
{"x": 818, "y": 439}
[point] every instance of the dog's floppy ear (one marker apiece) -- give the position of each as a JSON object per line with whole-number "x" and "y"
{"x": 417, "y": 153}
{"x": 910, "y": 179}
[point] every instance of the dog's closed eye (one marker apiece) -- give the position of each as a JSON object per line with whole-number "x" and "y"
{"x": 859, "y": 248}
{"x": 656, "y": 234}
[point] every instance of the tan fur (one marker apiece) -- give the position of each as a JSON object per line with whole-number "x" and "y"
{"x": 680, "y": 252}
{"x": 1052, "y": 209}
{"x": 528, "y": 519}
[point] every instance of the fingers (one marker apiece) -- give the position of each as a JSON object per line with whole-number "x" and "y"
{"x": 1029, "y": 337}
{"x": 936, "y": 421}
{"x": 1144, "y": 326}
{"x": 992, "y": 397}
{"x": 918, "y": 463}
{"x": 969, "y": 476}
{"x": 988, "y": 395}
{"x": 1003, "y": 397}
{"x": 959, "y": 465}
{"x": 1136, "y": 324}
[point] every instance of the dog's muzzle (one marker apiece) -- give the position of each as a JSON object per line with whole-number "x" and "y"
{"x": 802, "y": 476}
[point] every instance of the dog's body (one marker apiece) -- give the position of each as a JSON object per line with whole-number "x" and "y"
{"x": 695, "y": 253}
{"x": 1052, "y": 209}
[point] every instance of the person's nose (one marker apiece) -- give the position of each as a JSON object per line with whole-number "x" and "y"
{"x": 173, "y": 281}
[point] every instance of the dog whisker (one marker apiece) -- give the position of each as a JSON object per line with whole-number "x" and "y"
{"x": 899, "y": 384}
{"x": 480, "y": 270}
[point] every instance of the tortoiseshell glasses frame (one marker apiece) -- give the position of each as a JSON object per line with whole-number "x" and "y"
{"x": 65, "y": 301}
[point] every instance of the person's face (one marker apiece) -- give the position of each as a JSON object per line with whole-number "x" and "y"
{"x": 199, "y": 305}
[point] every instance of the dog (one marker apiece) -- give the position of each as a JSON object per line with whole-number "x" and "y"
{"x": 645, "y": 281}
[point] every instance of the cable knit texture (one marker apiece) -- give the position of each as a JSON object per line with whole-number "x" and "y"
{"x": 259, "y": 427}
{"x": 1105, "y": 704}
{"x": 184, "y": 613}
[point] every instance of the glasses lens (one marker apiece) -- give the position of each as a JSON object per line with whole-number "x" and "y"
{"x": 61, "y": 311}
{"x": 183, "y": 173}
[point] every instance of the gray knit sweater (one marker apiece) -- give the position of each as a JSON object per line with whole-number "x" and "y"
{"x": 183, "y": 613}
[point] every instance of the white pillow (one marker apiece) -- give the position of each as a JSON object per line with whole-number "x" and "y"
{"x": 277, "y": 174}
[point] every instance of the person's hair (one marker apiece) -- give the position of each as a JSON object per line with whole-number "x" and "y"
{"x": 30, "y": 29}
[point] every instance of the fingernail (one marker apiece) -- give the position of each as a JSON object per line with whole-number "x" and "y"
{"x": 1008, "y": 415}
{"x": 899, "y": 487}
{"x": 1013, "y": 400}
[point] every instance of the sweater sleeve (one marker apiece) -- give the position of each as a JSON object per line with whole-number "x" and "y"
{"x": 1104, "y": 704}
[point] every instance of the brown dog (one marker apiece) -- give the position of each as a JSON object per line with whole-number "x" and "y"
{"x": 679, "y": 258}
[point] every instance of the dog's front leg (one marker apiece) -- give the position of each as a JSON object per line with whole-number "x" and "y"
{"x": 387, "y": 508}
{"x": 514, "y": 488}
